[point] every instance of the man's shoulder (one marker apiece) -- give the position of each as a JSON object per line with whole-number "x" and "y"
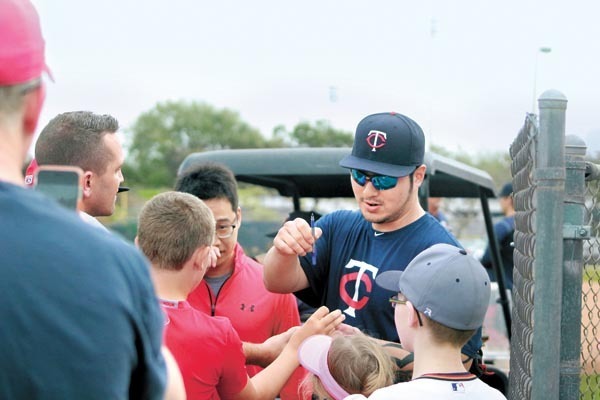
{"x": 435, "y": 232}
{"x": 217, "y": 329}
{"x": 53, "y": 230}
{"x": 245, "y": 263}
{"x": 506, "y": 224}
{"x": 426, "y": 388}
{"x": 392, "y": 392}
{"x": 418, "y": 388}
{"x": 197, "y": 322}
{"x": 249, "y": 272}
{"x": 344, "y": 219}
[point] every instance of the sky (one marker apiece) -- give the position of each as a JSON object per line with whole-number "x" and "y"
{"x": 466, "y": 71}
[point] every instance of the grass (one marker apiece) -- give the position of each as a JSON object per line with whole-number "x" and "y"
{"x": 591, "y": 274}
{"x": 590, "y": 387}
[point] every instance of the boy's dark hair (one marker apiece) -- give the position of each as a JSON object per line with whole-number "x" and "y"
{"x": 209, "y": 181}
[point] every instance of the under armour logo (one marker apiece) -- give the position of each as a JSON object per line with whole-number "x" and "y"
{"x": 243, "y": 307}
{"x": 427, "y": 312}
{"x": 376, "y": 139}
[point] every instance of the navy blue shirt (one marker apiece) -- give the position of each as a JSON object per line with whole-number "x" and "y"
{"x": 78, "y": 315}
{"x": 504, "y": 231}
{"x": 350, "y": 254}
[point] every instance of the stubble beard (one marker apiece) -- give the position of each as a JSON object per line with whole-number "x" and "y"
{"x": 394, "y": 216}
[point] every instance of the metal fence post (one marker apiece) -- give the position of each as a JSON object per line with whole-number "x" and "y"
{"x": 574, "y": 234}
{"x": 550, "y": 180}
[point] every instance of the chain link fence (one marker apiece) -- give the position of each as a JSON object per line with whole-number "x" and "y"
{"x": 555, "y": 345}
{"x": 590, "y": 310}
{"x": 522, "y": 153}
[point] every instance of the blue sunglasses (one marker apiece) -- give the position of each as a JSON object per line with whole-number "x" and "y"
{"x": 380, "y": 182}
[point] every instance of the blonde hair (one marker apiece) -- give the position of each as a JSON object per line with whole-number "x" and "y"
{"x": 171, "y": 226}
{"x": 357, "y": 363}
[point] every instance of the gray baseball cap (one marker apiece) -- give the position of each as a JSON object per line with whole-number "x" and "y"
{"x": 444, "y": 283}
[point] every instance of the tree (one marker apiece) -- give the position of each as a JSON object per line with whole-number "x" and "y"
{"x": 497, "y": 163}
{"x": 163, "y": 136}
{"x": 319, "y": 134}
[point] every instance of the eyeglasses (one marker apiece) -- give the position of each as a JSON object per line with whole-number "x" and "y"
{"x": 224, "y": 231}
{"x": 380, "y": 182}
{"x": 30, "y": 86}
{"x": 395, "y": 300}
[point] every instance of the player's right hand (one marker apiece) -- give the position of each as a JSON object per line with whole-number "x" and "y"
{"x": 296, "y": 238}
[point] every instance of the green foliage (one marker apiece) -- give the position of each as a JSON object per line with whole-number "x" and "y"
{"x": 591, "y": 274}
{"x": 497, "y": 163}
{"x": 163, "y": 136}
{"x": 319, "y": 134}
{"x": 590, "y": 387}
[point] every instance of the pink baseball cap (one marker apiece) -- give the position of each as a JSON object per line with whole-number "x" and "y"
{"x": 312, "y": 355}
{"x": 21, "y": 43}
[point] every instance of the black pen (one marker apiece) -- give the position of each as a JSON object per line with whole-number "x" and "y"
{"x": 312, "y": 231}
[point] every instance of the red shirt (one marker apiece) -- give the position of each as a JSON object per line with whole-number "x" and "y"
{"x": 208, "y": 351}
{"x": 255, "y": 313}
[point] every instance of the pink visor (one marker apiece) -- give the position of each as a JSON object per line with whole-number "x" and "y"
{"x": 312, "y": 355}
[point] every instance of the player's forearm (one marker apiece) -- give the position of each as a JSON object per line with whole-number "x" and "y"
{"x": 257, "y": 354}
{"x": 282, "y": 272}
{"x": 269, "y": 382}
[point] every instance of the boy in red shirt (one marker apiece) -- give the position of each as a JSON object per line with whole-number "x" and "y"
{"x": 176, "y": 231}
{"x": 234, "y": 287}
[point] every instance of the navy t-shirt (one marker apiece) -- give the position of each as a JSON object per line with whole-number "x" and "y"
{"x": 350, "y": 254}
{"x": 504, "y": 231}
{"x": 79, "y": 317}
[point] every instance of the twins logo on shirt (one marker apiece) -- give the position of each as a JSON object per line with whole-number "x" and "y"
{"x": 360, "y": 276}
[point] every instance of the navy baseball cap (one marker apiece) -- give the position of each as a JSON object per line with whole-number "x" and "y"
{"x": 506, "y": 190}
{"x": 444, "y": 283}
{"x": 386, "y": 144}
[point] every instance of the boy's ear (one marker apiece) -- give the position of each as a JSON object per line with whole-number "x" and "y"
{"x": 34, "y": 101}
{"x": 136, "y": 242}
{"x": 200, "y": 257}
{"x": 239, "y": 218}
{"x": 412, "y": 319}
{"x": 86, "y": 184}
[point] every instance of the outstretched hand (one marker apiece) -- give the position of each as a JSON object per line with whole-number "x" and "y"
{"x": 347, "y": 330}
{"x": 320, "y": 322}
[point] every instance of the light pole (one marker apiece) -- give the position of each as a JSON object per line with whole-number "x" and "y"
{"x": 545, "y": 50}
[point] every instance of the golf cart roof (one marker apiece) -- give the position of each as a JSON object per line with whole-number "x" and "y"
{"x": 315, "y": 172}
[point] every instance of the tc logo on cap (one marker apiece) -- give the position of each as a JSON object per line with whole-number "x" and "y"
{"x": 376, "y": 139}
